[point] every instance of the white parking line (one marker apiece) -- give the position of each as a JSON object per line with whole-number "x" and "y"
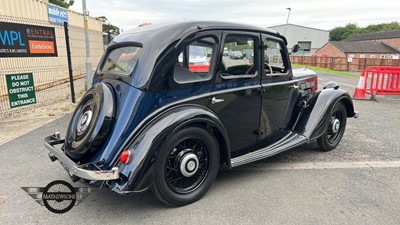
{"x": 323, "y": 165}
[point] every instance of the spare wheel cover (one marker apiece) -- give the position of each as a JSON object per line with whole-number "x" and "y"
{"x": 91, "y": 122}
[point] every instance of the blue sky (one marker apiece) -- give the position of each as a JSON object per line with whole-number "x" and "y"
{"x": 322, "y": 14}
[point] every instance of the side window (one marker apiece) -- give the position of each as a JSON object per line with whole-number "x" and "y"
{"x": 274, "y": 57}
{"x": 121, "y": 60}
{"x": 238, "y": 58}
{"x": 194, "y": 61}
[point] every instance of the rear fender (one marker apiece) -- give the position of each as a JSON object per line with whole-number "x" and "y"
{"x": 312, "y": 121}
{"x": 138, "y": 173}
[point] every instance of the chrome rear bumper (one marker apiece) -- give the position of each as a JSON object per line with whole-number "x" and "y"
{"x": 76, "y": 170}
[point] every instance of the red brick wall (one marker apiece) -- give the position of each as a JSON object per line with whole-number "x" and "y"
{"x": 328, "y": 50}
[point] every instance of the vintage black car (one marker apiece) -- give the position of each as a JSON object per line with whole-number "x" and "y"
{"x": 153, "y": 121}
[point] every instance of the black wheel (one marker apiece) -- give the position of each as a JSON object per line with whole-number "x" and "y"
{"x": 186, "y": 167}
{"x": 335, "y": 128}
{"x": 90, "y": 123}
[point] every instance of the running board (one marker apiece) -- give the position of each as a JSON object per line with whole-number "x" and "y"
{"x": 288, "y": 142}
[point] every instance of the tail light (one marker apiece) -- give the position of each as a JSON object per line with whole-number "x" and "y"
{"x": 125, "y": 156}
{"x": 312, "y": 83}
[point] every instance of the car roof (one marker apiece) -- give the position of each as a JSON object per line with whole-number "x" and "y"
{"x": 156, "y": 38}
{"x": 179, "y": 29}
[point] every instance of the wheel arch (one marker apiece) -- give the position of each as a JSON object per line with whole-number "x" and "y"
{"x": 312, "y": 122}
{"x": 138, "y": 173}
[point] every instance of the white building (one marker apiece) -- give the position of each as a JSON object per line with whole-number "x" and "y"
{"x": 310, "y": 39}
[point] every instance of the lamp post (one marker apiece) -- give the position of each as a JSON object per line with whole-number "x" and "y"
{"x": 287, "y": 20}
{"x": 89, "y": 72}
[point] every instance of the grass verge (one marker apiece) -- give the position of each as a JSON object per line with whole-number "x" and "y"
{"x": 321, "y": 69}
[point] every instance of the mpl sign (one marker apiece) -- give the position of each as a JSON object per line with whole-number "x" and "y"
{"x": 21, "y": 40}
{"x": 21, "y": 89}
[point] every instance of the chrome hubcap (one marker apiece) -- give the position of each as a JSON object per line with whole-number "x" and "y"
{"x": 335, "y": 125}
{"x": 84, "y": 121}
{"x": 189, "y": 164}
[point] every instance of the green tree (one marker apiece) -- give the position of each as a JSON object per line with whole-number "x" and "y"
{"x": 63, "y": 3}
{"x": 108, "y": 27}
{"x": 341, "y": 33}
{"x": 382, "y": 27}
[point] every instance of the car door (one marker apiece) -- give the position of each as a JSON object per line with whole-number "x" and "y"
{"x": 277, "y": 85}
{"x": 235, "y": 95}
{"x": 187, "y": 71}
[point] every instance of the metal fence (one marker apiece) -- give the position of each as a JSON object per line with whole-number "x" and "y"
{"x": 50, "y": 74}
{"x": 341, "y": 63}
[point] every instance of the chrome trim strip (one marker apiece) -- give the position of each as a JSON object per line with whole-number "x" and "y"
{"x": 254, "y": 86}
{"x": 279, "y": 83}
{"x": 235, "y": 89}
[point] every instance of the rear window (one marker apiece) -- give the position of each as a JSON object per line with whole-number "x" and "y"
{"x": 121, "y": 60}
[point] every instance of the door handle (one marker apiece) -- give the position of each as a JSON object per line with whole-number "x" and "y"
{"x": 216, "y": 100}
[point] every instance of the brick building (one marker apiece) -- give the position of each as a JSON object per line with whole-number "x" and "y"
{"x": 380, "y": 45}
{"x": 391, "y": 38}
{"x": 358, "y": 49}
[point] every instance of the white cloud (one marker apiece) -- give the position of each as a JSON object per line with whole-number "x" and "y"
{"x": 322, "y": 14}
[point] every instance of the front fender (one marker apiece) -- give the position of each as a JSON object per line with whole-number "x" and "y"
{"x": 137, "y": 174}
{"x": 312, "y": 120}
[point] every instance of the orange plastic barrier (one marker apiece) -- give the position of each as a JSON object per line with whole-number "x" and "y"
{"x": 378, "y": 80}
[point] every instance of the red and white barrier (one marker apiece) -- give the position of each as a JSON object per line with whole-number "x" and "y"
{"x": 378, "y": 80}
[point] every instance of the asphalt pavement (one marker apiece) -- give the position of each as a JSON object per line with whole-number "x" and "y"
{"x": 357, "y": 183}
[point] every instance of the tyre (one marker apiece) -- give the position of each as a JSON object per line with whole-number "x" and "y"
{"x": 90, "y": 123}
{"x": 186, "y": 167}
{"x": 334, "y": 129}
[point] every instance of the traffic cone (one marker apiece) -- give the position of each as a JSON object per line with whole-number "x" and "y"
{"x": 359, "y": 93}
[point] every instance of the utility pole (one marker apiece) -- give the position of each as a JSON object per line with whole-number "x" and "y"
{"x": 287, "y": 20}
{"x": 89, "y": 72}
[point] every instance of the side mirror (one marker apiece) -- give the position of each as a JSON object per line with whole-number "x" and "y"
{"x": 295, "y": 48}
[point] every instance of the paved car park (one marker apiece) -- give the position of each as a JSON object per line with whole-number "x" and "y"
{"x": 357, "y": 183}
